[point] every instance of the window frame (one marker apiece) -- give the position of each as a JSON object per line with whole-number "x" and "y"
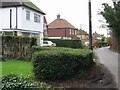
{"x": 27, "y": 15}
{"x": 37, "y": 18}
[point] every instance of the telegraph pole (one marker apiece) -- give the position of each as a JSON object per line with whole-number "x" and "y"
{"x": 90, "y": 26}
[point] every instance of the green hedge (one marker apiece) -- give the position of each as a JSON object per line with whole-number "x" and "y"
{"x": 40, "y": 48}
{"x": 67, "y": 43}
{"x": 60, "y": 63}
{"x": 18, "y": 82}
{"x": 16, "y": 47}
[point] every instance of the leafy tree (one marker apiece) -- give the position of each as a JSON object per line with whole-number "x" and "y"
{"x": 112, "y": 16}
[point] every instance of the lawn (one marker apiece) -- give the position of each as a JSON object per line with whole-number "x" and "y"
{"x": 16, "y": 67}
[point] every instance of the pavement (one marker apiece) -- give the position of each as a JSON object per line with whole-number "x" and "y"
{"x": 110, "y": 60}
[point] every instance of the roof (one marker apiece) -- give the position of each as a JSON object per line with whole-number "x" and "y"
{"x": 60, "y": 23}
{"x": 82, "y": 32}
{"x": 15, "y": 3}
{"x": 96, "y": 34}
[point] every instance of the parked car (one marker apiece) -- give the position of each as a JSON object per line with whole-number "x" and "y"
{"x": 48, "y": 43}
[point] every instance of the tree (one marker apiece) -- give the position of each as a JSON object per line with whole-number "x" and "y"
{"x": 112, "y": 16}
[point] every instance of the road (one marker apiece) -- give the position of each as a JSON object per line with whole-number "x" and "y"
{"x": 109, "y": 59}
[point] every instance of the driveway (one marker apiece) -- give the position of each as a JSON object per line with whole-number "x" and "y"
{"x": 109, "y": 59}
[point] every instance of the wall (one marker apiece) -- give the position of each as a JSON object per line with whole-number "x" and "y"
{"x": 31, "y": 25}
{"x": 60, "y": 33}
{"x": 6, "y": 17}
{"x": 22, "y": 22}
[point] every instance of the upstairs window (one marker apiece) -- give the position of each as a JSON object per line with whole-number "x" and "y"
{"x": 28, "y": 15}
{"x": 36, "y": 18}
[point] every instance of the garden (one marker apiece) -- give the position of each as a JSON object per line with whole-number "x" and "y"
{"x": 47, "y": 67}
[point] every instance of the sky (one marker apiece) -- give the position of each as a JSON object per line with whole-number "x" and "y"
{"x": 75, "y": 12}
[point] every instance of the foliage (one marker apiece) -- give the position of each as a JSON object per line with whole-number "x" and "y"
{"x": 112, "y": 16}
{"x": 67, "y": 43}
{"x": 16, "y": 47}
{"x": 60, "y": 63}
{"x": 18, "y": 82}
{"x": 40, "y": 48}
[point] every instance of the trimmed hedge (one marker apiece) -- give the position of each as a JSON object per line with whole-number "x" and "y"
{"x": 18, "y": 82}
{"x": 17, "y": 47}
{"x": 67, "y": 43}
{"x": 61, "y": 63}
{"x": 40, "y": 48}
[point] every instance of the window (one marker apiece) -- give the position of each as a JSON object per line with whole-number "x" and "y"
{"x": 28, "y": 15}
{"x": 75, "y": 32}
{"x": 44, "y": 26}
{"x": 70, "y": 31}
{"x": 36, "y": 18}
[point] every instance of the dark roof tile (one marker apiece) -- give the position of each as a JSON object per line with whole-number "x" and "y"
{"x": 27, "y": 3}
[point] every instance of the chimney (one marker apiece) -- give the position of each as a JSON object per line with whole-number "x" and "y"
{"x": 58, "y": 16}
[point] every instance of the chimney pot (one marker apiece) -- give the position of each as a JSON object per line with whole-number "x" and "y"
{"x": 58, "y": 16}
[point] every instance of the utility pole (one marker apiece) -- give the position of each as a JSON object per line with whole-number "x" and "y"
{"x": 90, "y": 26}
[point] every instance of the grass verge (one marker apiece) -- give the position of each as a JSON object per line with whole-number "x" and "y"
{"x": 16, "y": 67}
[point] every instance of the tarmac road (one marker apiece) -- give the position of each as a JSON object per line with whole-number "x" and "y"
{"x": 110, "y": 60}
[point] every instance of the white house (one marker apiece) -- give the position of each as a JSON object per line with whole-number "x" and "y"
{"x": 21, "y": 18}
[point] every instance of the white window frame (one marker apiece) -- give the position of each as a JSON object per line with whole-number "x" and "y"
{"x": 27, "y": 15}
{"x": 70, "y": 31}
{"x": 37, "y": 18}
{"x": 73, "y": 31}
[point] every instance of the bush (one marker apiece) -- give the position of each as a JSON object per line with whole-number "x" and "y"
{"x": 18, "y": 82}
{"x": 17, "y": 47}
{"x": 67, "y": 43}
{"x": 41, "y": 48}
{"x": 59, "y": 64}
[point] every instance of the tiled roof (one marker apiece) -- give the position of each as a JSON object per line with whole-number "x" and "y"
{"x": 82, "y": 32}
{"x": 27, "y": 3}
{"x": 60, "y": 23}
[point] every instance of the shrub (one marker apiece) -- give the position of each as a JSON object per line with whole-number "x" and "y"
{"x": 17, "y": 47}
{"x": 18, "y": 82}
{"x": 60, "y": 64}
{"x": 67, "y": 43}
{"x": 40, "y": 48}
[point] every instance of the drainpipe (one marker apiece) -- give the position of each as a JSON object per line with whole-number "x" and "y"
{"x": 15, "y": 32}
{"x": 10, "y": 18}
{"x": 16, "y": 17}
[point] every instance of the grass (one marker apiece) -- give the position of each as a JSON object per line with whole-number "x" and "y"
{"x": 16, "y": 67}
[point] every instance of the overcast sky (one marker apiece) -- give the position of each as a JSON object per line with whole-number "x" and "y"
{"x": 74, "y": 11}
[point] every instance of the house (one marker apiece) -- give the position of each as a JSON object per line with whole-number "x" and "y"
{"x": 21, "y": 18}
{"x": 45, "y": 28}
{"x": 60, "y": 28}
{"x": 96, "y": 37}
{"x": 83, "y": 36}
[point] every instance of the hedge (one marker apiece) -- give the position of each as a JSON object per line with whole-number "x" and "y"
{"x": 61, "y": 64}
{"x": 67, "y": 43}
{"x": 17, "y": 47}
{"x": 18, "y": 82}
{"x": 41, "y": 48}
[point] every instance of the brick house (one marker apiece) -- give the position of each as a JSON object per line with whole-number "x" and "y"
{"x": 83, "y": 36}
{"x": 60, "y": 28}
